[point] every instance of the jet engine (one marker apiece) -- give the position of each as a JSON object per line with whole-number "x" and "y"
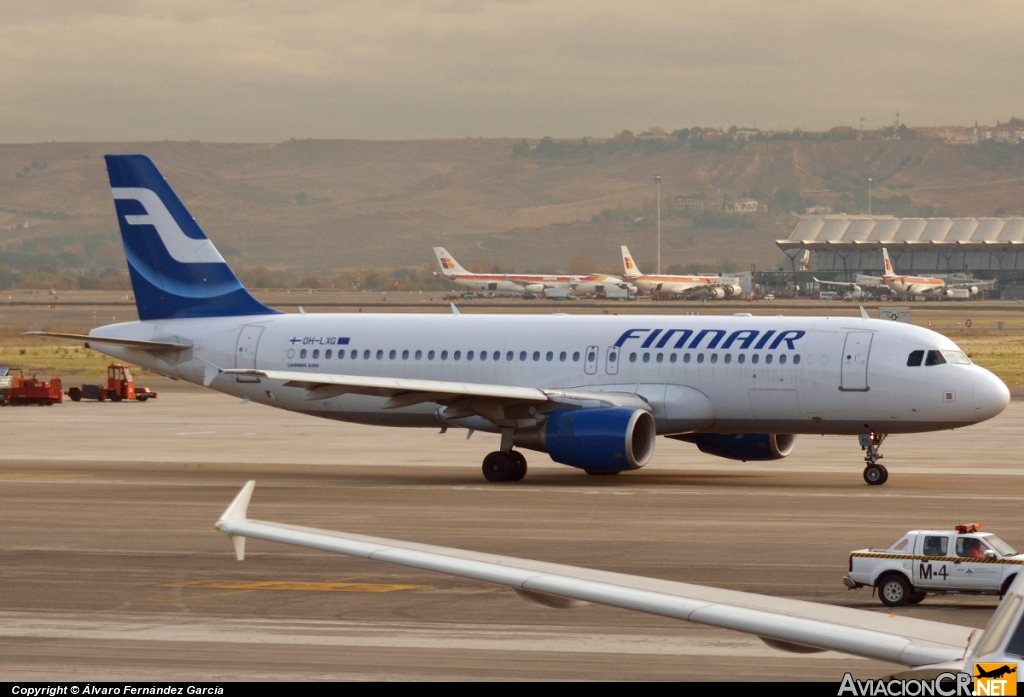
{"x": 604, "y": 439}
{"x": 716, "y": 293}
{"x": 731, "y": 290}
{"x": 535, "y": 288}
{"x": 743, "y": 446}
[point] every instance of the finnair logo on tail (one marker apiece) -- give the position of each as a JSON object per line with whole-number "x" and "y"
{"x": 182, "y": 248}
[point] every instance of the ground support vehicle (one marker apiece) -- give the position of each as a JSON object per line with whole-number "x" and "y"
{"x": 17, "y": 390}
{"x": 923, "y": 562}
{"x": 120, "y": 385}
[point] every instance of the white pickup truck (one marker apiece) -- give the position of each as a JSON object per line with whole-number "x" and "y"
{"x": 963, "y": 560}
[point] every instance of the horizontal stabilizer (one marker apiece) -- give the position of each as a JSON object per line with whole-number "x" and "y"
{"x": 151, "y": 346}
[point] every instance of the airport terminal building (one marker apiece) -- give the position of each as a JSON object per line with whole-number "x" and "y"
{"x": 843, "y": 246}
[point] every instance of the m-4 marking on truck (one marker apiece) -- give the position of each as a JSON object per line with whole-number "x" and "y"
{"x": 924, "y": 571}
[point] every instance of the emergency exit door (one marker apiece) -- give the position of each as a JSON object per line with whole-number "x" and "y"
{"x": 245, "y": 350}
{"x": 854, "y": 376}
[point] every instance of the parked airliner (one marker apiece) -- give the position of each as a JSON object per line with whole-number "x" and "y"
{"x": 913, "y": 286}
{"x": 699, "y": 286}
{"x": 591, "y": 391}
{"x": 522, "y": 283}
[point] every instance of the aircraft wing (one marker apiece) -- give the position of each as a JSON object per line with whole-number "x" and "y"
{"x": 971, "y": 284}
{"x": 786, "y": 624}
{"x": 840, "y": 284}
{"x": 465, "y": 396}
{"x": 151, "y": 346}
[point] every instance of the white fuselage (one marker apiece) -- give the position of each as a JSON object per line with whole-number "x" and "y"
{"x": 842, "y": 375}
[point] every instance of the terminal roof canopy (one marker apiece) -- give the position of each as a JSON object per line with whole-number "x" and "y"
{"x": 859, "y": 232}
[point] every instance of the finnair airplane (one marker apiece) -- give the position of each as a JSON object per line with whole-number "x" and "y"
{"x": 521, "y": 283}
{"x": 593, "y": 392}
{"x": 715, "y": 287}
{"x": 928, "y": 649}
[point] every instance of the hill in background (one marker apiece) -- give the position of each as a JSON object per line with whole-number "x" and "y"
{"x": 314, "y": 207}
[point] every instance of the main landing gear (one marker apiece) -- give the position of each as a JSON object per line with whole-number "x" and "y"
{"x": 504, "y": 467}
{"x": 874, "y": 473}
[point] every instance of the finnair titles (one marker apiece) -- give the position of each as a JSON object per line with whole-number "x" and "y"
{"x": 593, "y": 392}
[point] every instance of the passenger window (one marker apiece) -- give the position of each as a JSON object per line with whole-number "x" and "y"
{"x": 522, "y": 355}
{"x": 550, "y": 355}
{"x": 380, "y": 354}
{"x": 700, "y": 357}
{"x": 392, "y": 353}
{"x": 469, "y": 355}
{"x": 405, "y": 355}
{"x": 509, "y": 356}
{"x": 591, "y": 356}
{"x": 576, "y": 357}
{"x": 660, "y": 357}
{"x": 753, "y": 359}
{"x": 341, "y": 353}
{"x": 632, "y": 358}
{"x": 714, "y": 358}
{"x": 768, "y": 358}
{"x": 686, "y": 358}
{"x": 672, "y": 358}
{"x": 419, "y": 354}
{"x": 935, "y": 546}
{"x": 444, "y": 355}
{"x": 483, "y": 355}
{"x": 457, "y": 355}
{"x": 728, "y": 358}
{"x": 796, "y": 359}
{"x": 366, "y": 355}
{"x": 782, "y": 359}
{"x": 430, "y": 355}
{"x": 934, "y": 358}
{"x": 302, "y": 353}
{"x": 742, "y": 358}
{"x": 647, "y": 358}
{"x": 562, "y": 356}
{"x": 316, "y": 353}
{"x": 536, "y": 355}
{"x": 915, "y": 358}
{"x": 327, "y": 354}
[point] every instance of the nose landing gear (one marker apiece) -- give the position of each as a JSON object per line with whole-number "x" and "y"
{"x": 874, "y": 473}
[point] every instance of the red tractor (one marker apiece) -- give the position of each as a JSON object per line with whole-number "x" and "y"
{"x": 17, "y": 390}
{"x": 120, "y": 385}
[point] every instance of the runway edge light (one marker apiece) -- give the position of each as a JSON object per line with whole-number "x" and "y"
{"x": 236, "y": 513}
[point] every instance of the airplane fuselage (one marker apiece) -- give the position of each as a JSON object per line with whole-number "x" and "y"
{"x": 725, "y": 374}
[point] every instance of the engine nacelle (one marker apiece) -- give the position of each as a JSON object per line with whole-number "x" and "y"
{"x": 974, "y": 290}
{"x": 716, "y": 293}
{"x": 732, "y": 290}
{"x": 535, "y": 288}
{"x": 744, "y": 446}
{"x": 610, "y": 439}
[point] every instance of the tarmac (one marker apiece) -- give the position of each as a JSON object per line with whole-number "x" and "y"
{"x": 110, "y": 568}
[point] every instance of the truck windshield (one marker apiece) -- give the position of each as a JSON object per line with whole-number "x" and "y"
{"x": 1003, "y": 549}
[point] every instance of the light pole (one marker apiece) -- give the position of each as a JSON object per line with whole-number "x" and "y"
{"x": 869, "y": 194}
{"x": 657, "y": 180}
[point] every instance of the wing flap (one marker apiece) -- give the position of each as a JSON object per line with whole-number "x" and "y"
{"x": 901, "y": 640}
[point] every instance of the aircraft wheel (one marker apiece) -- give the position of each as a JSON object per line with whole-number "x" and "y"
{"x": 518, "y": 466}
{"x": 875, "y": 475}
{"x": 894, "y": 591}
{"x": 498, "y": 467}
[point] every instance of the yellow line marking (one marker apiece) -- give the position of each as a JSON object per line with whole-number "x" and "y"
{"x": 306, "y": 586}
{"x": 38, "y": 475}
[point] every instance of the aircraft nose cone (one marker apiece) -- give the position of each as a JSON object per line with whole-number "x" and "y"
{"x": 991, "y": 396}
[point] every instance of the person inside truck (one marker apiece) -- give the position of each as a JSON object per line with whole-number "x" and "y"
{"x": 970, "y": 547}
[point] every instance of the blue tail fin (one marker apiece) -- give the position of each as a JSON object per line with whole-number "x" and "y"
{"x": 176, "y": 271}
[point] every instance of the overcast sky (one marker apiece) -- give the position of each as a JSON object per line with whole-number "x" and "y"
{"x": 233, "y": 70}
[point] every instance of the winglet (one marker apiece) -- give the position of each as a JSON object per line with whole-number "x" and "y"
{"x": 863, "y": 313}
{"x": 236, "y": 513}
{"x": 455, "y": 310}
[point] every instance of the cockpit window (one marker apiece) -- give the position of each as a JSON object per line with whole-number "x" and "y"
{"x": 915, "y": 358}
{"x": 956, "y": 357}
{"x": 935, "y": 358}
